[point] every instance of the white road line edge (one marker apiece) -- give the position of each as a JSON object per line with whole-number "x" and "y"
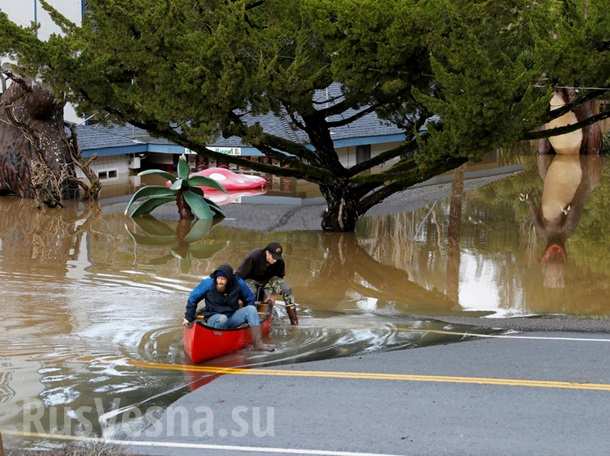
{"x": 195, "y": 446}
{"x": 508, "y": 336}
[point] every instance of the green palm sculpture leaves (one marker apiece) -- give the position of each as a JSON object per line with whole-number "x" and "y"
{"x": 199, "y": 206}
{"x": 182, "y": 188}
{"x": 199, "y": 181}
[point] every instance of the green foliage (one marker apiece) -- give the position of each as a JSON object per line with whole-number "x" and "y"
{"x": 198, "y": 181}
{"x": 151, "y": 197}
{"x": 474, "y": 63}
{"x": 188, "y": 70}
{"x": 198, "y": 205}
{"x": 482, "y": 56}
{"x": 146, "y": 207}
{"x": 579, "y": 55}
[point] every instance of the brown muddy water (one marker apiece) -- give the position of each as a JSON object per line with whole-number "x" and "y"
{"x": 88, "y": 292}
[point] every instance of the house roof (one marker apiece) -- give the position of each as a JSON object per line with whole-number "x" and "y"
{"x": 96, "y": 137}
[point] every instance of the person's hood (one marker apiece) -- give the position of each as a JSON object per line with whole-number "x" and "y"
{"x": 224, "y": 270}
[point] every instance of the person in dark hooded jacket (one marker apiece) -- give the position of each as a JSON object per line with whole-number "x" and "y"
{"x": 264, "y": 269}
{"x": 221, "y": 292}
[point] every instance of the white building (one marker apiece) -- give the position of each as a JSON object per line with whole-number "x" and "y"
{"x": 25, "y": 12}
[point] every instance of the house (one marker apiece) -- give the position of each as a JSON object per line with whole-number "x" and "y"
{"x": 122, "y": 151}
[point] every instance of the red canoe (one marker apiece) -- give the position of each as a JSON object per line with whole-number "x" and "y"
{"x": 202, "y": 343}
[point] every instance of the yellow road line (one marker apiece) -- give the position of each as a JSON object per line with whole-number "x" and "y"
{"x": 375, "y": 376}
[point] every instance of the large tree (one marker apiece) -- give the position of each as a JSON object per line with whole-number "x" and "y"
{"x": 190, "y": 70}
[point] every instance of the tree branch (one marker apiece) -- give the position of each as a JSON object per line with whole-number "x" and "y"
{"x": 330, "y": 100}
{"x": 65, "y": 24}
{"x": 276, "y": 155}
{"x": 287, "y": 146}
{"x": 406, "y": 147}
{"x": 273, "y": 141}
{"x": 317, "y": 129}
{"x": 254, "y": 4}
{"x": 408, "y": 179}
{"x": 9, "y": 74}
{"x": 555, "y": 113}
{"x": 296, "y": 121}
{"x": 603, "y": 46}
{"x": 348, "y": 120}
{"x": 566, "y": 129}
{"x": 296, "y": 169}
{"x": 338, "y": 108}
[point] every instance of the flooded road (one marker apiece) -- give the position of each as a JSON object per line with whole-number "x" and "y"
{"x": 531, "y": 244}
{"x": 87, "y": 293}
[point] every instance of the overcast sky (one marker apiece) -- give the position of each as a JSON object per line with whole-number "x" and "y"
{"x": 22, "y": 12}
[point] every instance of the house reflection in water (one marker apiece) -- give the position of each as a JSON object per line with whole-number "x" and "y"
{"x": 569, "y": 176}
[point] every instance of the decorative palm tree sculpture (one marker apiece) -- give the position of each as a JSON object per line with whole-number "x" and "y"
{"x": 185, "y": 190}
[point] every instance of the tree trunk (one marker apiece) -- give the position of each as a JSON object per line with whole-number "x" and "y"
{"x": 342, "y": 210}
{"x": 183, "y": 209}
{"x": 37, "y": 158}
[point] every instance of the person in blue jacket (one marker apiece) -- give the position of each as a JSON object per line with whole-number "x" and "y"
{"x": 222, "y": 292}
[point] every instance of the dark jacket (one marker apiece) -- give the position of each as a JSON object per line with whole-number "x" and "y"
{"x": 215, "y": 302}
{"x": 255, "y": 267}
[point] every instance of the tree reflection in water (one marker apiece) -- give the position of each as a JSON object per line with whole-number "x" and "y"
{"x": 42, "y": 240}
{"x": 36, "y": 248}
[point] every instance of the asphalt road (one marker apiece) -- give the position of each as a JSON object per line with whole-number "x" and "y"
{"x": 541, "y": 393}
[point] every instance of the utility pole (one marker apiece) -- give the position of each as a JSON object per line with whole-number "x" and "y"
{"x": 2, "y": 81}
{"x": 35, "y": 22}
{"x": 1, "y": 447}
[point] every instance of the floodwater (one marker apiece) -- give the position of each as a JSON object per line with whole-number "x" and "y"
{"x": 88, "y": 293}
{"x": 530, "y": 244}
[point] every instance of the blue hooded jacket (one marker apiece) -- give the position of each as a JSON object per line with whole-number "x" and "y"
{"x": 215, "y": 302}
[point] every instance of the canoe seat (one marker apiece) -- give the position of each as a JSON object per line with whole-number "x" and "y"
{"x": 243, "y": 325}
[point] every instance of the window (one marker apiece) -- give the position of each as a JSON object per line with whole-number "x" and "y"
{"x": 363, "y": 153}
{"x": 108, "y": 174}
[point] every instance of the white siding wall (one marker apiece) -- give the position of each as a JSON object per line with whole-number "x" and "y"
{"x": 22, "y": 13}
{"x": 119, "y": 163}
{"x": 347, "y": 155}
{"x": 376, "y": 149}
